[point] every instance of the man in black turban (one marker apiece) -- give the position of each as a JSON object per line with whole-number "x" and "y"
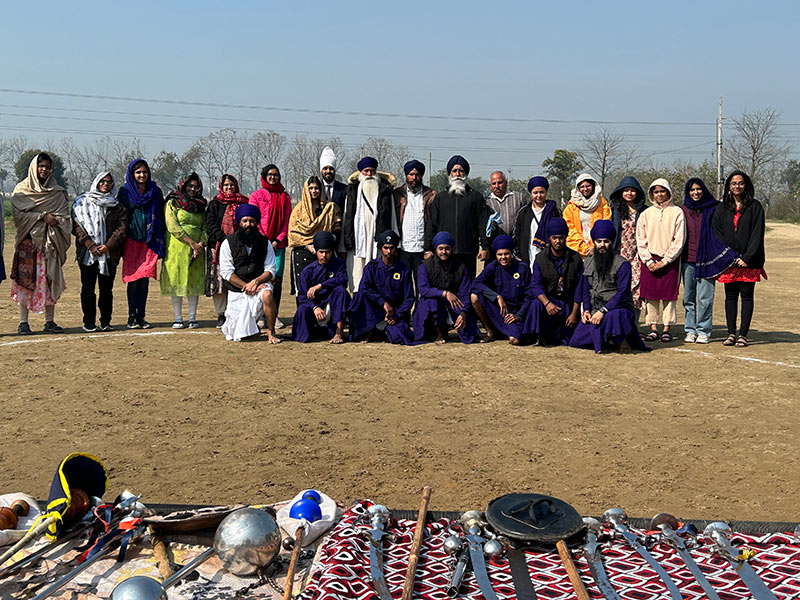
{"x": 412, "y": 200}
{"x": 463, "y": 212}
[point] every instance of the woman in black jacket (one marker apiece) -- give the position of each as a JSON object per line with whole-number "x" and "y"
{"x": 739, "y": 224}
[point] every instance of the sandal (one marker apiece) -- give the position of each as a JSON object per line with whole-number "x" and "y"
{"x": 666, "y": 337}
{"x": 741, "y": 342}
{"x": 651, "y": 337}
{"x": 730, "y": 340}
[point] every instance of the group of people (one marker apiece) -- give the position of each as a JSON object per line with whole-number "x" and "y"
{"x": 397, "y": 263}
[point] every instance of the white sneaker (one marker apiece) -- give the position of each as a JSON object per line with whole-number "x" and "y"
{"x": 702, "y": 338}
{"x": 691, "y": 337}
{"x": 179, "y": 325}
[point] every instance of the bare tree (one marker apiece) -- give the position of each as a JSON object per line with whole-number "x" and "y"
{"x": 756, "y": 149}
{"x": 604, "y": 152}
{"x": 390, "y": 156}
{"x": 300, "y": 160}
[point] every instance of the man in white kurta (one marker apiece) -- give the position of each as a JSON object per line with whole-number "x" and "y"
{"x": 255, "y": 299}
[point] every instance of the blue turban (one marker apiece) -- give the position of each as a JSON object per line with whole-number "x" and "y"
{"x": 324, "y": 240}
{"x": 603, "y": 229}
{"x": 443, "y": 238}
{"x": 457, "y": 160}
{"x": 367, "y": 163}
{"x": 414, "y": 164}
{"x": 388, "y": 237}
{"x": 247, "y": 210}
{"x": 538, "y": 181}
{"x": 502, "y": 242}
{"x": 557, "y": 226}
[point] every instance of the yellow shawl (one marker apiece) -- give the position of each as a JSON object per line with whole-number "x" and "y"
{"x": 303, "y": 224}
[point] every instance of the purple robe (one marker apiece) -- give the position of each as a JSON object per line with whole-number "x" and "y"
{"x": 617, "y": 325}
{"x": 332, "y": 294}
{"x": 510, "y": 283}
{"x": 431, "y": 303}
{"x": 380, "y": 284}
{"x": 546, "y": 328}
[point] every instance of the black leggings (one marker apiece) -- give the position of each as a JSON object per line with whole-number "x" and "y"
{"x": 137, "y": 297}
{"x": 91, "y": 277}
{"x": 732, "y": 292}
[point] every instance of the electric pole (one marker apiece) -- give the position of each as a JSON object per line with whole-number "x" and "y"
{"x": 719, "y": 151}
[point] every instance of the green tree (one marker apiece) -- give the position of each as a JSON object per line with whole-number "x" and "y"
{"x": 561, "y": 169}
{"x": 439, "y": 181}
{"x": 24, "y": 161}
{"x": 167, "y": 169}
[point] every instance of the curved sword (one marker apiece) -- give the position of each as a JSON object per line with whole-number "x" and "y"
{"x": 591, "y": 552}
{"x": 616, "y": 517}
{"x": 475, "y": 541}
{"x": 379, "y": 515}
{"x": 719, "y": 533}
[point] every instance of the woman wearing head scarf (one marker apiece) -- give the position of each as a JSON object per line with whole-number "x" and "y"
{"x": 627, "y": 203}
{"x": 220, "y": 223}
{"x": 145, "y": 242}
{"x": 704, "y": 258}
{"x": 530, "y": 228}
{"x": 183, "y": 267}
{"x": 660, "y": 235}
{"x": 41, "y": 218}
{"x": 586, "y": 205}
{"x": 276, "y": 207}
{"x": 311, "y": 215}
{"x": 100, "y": 225}
{"x": 739, "y": 224}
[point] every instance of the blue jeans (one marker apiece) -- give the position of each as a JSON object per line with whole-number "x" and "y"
{"x": 698, "y": 300}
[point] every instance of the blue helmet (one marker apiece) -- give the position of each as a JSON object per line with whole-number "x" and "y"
{"x": 306, "y": 509}
{"x": 312, "y": 495}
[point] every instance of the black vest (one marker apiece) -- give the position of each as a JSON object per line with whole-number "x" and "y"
{"x": 601, "y": 290}
{"x": 550, "y": 276}
{"x": 246, "y": 266}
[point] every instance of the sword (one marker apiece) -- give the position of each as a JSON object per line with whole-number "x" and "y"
{"x": 472, "y": 522}
{"x": 667, "y": 523}
{"x": 454, "y": 547}
{"x": 378, "y": 516}
{"x": 719, "y": 533}
{"x": 617, "y": 518}
{"x": 591, "y": 552}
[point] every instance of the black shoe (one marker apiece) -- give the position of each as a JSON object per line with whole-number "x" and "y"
{"x": 132, "y": 324}
{"x": 106, "y": 327}
{"x": 143, "y": 324}
{"x": 220, "y": 321}
{"x": 89, "y": 328}
{"x": 52, "y": 327}
{"x": 24, "y": 329}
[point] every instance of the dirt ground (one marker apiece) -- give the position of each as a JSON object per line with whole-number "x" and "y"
{"x": 699, "y": 431}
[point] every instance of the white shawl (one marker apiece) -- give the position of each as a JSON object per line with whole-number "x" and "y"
{"x": 90, "y": 213}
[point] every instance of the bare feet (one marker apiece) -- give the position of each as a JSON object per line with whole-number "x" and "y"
{"x": 513, "y": 341}
{"x": 273, "y": 339}
{"x": 337, "y": 339}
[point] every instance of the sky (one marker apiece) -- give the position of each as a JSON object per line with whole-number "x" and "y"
{"x": 503, "y": 83}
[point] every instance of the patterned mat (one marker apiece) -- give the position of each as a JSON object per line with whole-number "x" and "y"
{"x": 341, "y": 571}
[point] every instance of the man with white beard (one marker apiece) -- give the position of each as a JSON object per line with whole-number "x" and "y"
{"x": 369, "y": 209}
{"x": 463, "y": 212}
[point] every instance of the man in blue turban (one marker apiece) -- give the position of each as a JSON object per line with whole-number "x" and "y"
{"x": 498, "y": 293}
{"x": 381, "y": 307}
{"x": 608, "y": 319}
{"x": 463, "y": 212}
{"x": 322, "y": 294}
{"x": 554, "y": 304}
{"x": 412, "y": 201}
{"x": 369, "y": 209}
{"x": 444, "y": 288}
{"x": 247, "y": 266}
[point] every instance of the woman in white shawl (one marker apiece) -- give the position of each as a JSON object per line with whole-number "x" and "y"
{"x": 41, "y": 218}
{"x": 100, "y": 225}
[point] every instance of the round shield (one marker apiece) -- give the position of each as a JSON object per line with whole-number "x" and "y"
{"x": 533, "y": 517}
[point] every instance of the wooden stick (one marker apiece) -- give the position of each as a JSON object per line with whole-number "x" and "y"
{"x": 408, "y": 587}
{"x": 161, "y": 554}
{"x": 298, "y": 543}
{"x": 572, "y": 572}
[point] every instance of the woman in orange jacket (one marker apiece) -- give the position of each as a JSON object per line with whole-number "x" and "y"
{"x": 586, "y": 205}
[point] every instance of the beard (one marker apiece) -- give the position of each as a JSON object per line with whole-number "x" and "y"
{"x": 369, "y": 186}
{"x": 457, "y": 185}
{"x": 414, "y": 188}
{"x": 603, "y": 262}
{"x": 248, "y": 235}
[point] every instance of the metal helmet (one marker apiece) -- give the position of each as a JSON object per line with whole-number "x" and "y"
{"x": 139, "y": 588}
{"x": 247, "y": 540}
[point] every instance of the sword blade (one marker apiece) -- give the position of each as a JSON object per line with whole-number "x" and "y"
{"x": 753, "y": 582}
{"x": 637, "y": 545}
{"x": 479, "y": 567}
{"x": 690, "y": 563}
{"x": 601, "y": 577}
{"x": 376, "y": 569}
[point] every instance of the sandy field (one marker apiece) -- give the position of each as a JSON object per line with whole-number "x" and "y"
{"x": 186, "y": 417}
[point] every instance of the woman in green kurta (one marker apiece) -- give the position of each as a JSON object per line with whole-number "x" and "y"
{"x": 183, "y": 267}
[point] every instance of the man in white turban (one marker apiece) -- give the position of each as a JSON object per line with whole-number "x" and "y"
{"x": 332, "y": 190}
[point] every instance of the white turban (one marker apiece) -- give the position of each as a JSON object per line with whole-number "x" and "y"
{"x": 327, "y": 158}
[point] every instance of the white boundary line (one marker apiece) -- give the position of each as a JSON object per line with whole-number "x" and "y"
{"x": 744, "y": 358}
{"x": 101, "y": 335}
